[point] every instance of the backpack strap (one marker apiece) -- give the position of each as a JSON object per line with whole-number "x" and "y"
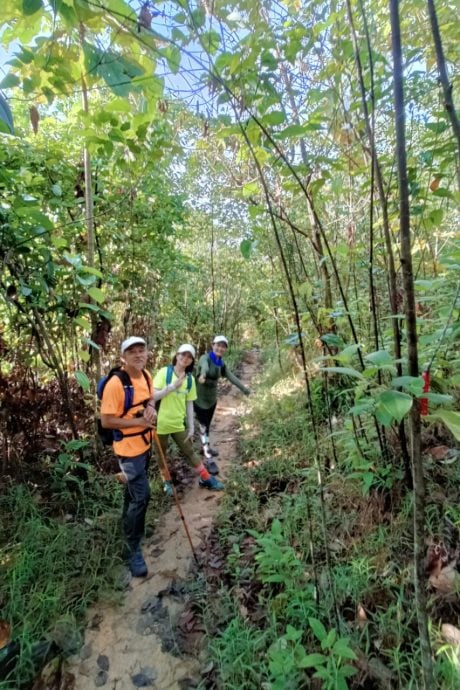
{"x": 169, "y": 374}
{"x": 129, "y": 403}
{"x": 128, "y": 389}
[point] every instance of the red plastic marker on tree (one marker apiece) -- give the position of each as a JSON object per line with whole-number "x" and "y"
{"x": 426, "y": 388}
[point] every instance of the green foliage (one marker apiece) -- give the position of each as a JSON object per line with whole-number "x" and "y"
{"x": 283, "y": 573}
{"x": 451, "y": 419}
{"x": 54, "y": 567}
{"x": 277, "y": 562}
{"x": 218, "y": 221}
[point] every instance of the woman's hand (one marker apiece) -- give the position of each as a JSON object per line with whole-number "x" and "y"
{"x": 201, "y": 379}
{"x": 190, "y": 435}
{"x": 178, "y": 382}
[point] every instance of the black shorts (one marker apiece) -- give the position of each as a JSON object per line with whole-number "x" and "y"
{"x": 205, "y": 416}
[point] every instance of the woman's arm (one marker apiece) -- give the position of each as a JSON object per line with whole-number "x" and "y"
{"x": 203, "y": 368}
{"x": 190, "y": 421}
{"x": 170, "y": 388}
{"x": 235, "y": 380}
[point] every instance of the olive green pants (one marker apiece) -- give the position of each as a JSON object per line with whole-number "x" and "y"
{"x": 185, "y": 447}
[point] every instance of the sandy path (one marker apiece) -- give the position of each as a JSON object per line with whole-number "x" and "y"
{"x": 123, "y": 650}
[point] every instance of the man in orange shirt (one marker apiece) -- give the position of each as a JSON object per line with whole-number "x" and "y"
{"x": 132, "y": 442}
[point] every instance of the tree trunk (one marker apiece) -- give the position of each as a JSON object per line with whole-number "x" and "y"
{"x": 411, "y": 330}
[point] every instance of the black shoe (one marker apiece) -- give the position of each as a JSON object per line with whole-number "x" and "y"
{"x": 137, "y": 565}
{"x": 214, "y": 453}
{"x": 211, "y": 466}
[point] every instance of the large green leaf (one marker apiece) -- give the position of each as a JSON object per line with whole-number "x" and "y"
{"x": 332, "y": 339}
{"x": 246, "y": 248}
{"x": 31, "y": 6}
{"x": 83, "y": 323}
{"x": 380, "y": 358}
{"x": 10, "y": 81}
{"x": 172, "y": 55}
{"x": 291, "y": 131}
{"x": 450, "y": 418}
{"x": 276, "y": 117}
{"x": 117, "y": 71}
{"x": 82, "y": 380}
{"x": 392, "y": 406}
{"x": 312, "y": 660}
{"x": 362, "y": 406}
{"x": 318, "y": 629}
{"x": 346, "y": 355}
{"x": 413, "y": 384}
{"x": 96, "y": 294}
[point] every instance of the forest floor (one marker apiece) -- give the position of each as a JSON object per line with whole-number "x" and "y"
{"x": 138, "y": 643}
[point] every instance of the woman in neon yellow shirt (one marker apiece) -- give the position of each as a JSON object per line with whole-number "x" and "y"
{"x": 175, "y": 391}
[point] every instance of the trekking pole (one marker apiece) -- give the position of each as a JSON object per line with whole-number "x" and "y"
{"x": 167, "y": 476}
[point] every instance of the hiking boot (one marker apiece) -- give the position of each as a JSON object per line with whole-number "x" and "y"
{"x": 168, "y": 488}
{"x": 212, "y": 452}
{"x": 137, "y": 565}
{"x": 211, "y": 466}
{"x": 212, "y": 484}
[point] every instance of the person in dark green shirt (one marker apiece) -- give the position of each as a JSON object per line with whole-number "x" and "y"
{"x": 211, "y": 368}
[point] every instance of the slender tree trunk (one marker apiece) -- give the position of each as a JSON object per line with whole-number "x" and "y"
{"x": 91, "y": 241}
{"x": 411, "y": 329}
{"x": 316, "y": 234}
{"x": 213, "y": 283}
{"x": 447, "y": 86}
{"x": 305, "y": 373}
{"x": 377, "y": 174}
{"x": 89, "y": 201}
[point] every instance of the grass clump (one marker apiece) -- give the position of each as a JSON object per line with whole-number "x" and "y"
{"x": 57, "y": 557}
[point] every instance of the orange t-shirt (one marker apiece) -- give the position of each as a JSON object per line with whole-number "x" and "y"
{"x": 113, "y": 400}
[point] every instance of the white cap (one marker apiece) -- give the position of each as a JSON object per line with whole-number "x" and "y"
{"x": 187, "y": 348}
{"x": 129, "y": 342}
{"x": 220, "y": 339}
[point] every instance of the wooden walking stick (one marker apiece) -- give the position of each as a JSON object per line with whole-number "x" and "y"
{"x": 167, "y": 477}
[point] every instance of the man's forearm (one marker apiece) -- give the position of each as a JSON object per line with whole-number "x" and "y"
{"x": 109, "y": 421}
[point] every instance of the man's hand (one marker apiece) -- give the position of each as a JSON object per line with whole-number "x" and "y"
{"x": 190, "y": 435}
{"x": 201, "y": 379}
{"x": 144, "y": 422}
{"x": 150, "y": 414}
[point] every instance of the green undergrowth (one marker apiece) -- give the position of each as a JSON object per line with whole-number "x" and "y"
{"x": 317, "y": 584}
{"x": 60, "y": 551}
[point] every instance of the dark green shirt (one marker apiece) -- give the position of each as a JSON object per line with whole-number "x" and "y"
{"x": 207, "y": 391}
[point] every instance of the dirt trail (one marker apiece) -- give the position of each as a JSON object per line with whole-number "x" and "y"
{"x": 124, "y": 646}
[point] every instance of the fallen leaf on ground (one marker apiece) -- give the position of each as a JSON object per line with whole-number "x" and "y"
{"x": 448, "y": 580}
{"x": 437, "y": 558}
{"x": 361, "y": 617}
{"x": 450, "y": 633}
{"x": 5, "y": 633}
{"x": 438, "y": 452}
